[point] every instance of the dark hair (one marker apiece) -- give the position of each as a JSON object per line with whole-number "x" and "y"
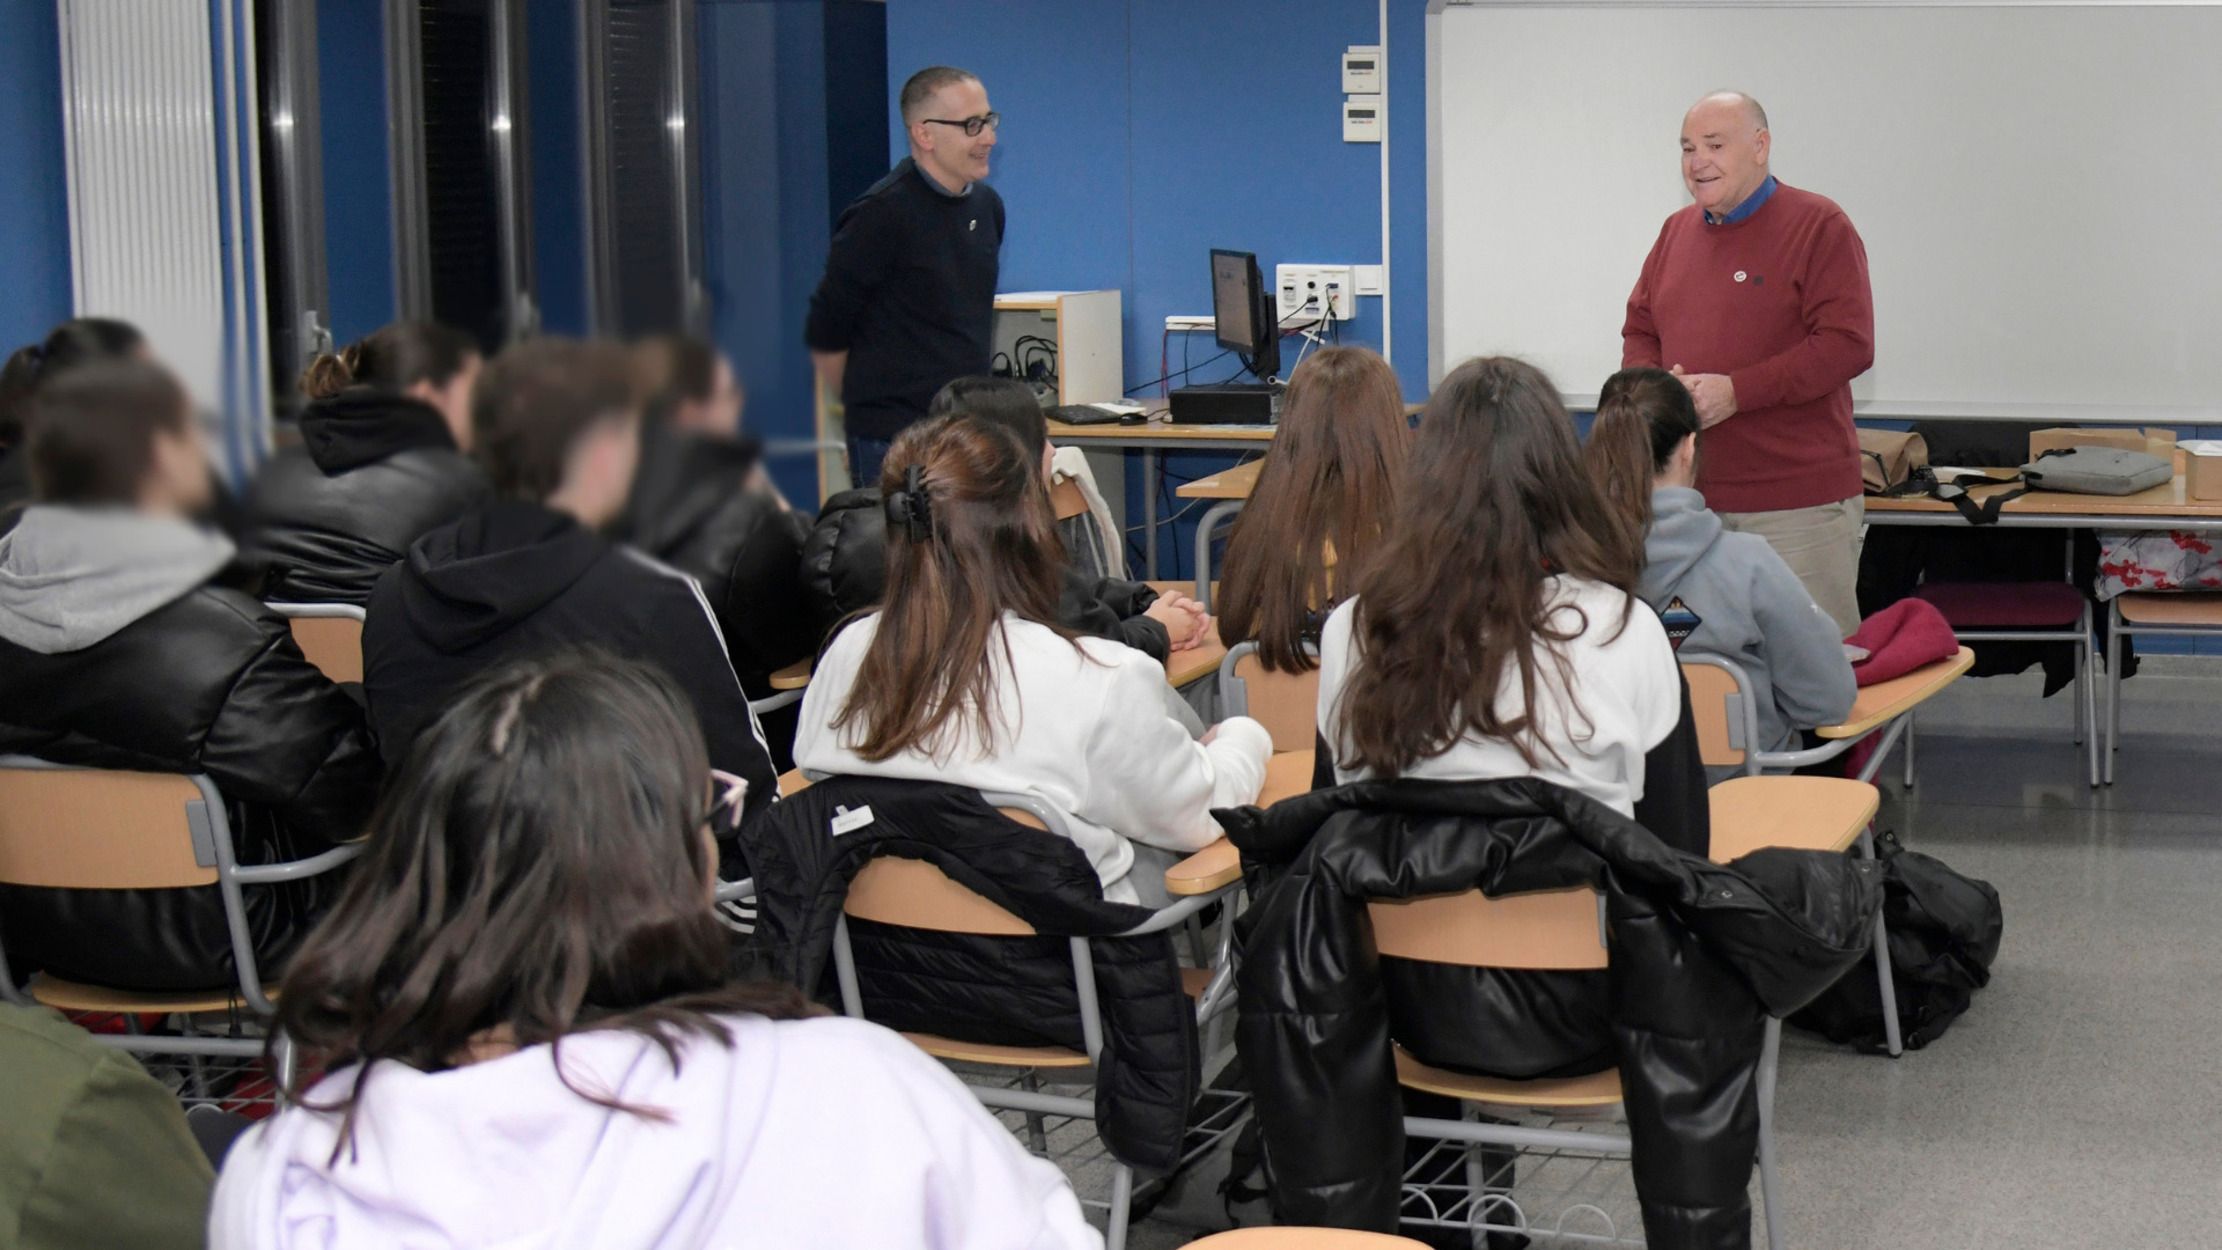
{"x": 1494, "y": 504}
{"x": 921, "y": 85}
{"x": 1642, "y": 416}
{"x": 970, "y": 537}
{"x": 92, "y": 429}
{"x": 534, "y": 402}
{"x": 1006, "y": 402}
{"x": 1328, "y": 487}
{"x": 539, "y": 864}
{"x": 392, "y": 358}
{"x": 72, "y": 343}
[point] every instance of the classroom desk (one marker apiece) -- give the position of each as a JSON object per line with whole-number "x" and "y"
{"x": 1231, "y": 489}
{"x": 2164, "y": 507}
{"x": 1184, "y": 668}
{"x": 1886, "y": 701}
{"x": 1286, "y": 774}
{"x": 1150, "y": 438}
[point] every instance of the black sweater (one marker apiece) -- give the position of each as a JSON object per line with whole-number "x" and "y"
{"x": 909, "y": 293}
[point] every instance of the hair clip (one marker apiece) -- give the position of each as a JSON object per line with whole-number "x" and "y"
{"x": 911, "y": 507}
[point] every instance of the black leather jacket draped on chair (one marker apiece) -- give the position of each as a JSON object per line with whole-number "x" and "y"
{"x": 1013, "y": 991}
{"x": 182, "y": 676}
{"x": 691, "y": 510}
{"x": 1701, "y": 953}
{"x": 844, "y": 569}
{"x": 373, "y": 472}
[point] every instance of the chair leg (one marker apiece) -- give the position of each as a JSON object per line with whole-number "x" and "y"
{"x": 2113, "y": 689}
{"x": 2081, "y": 665}
{"x": 1122, "y": 1200}
{"x": 1769, "y": 1059}
{"x": 2087, "y": 708}
{"x": 282, "y": 1047}
{"x": 1037, "y": 1134}
{"x": 1908, "y": 760}
{"x": 1883, "y": 980}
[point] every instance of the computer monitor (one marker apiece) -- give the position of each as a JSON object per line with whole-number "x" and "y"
{"x": 1242, "y": 312}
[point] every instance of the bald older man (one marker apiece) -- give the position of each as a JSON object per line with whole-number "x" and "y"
{"x": 1756, "y": 295}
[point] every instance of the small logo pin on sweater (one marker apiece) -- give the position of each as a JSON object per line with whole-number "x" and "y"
{"x": 974, "y": 224}
{"x": 1680, "y": 622}
{"x": 1740, "y": 275}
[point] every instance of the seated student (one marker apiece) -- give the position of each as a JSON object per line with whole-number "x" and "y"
{"x": 702, "y": 504}
{"x": 383, "y": 458}
{"x": 848, "y": 553}
{"x": 556, "y": 425}
{"x": 82, "y": 340}
{"x": 1497, "y": 633}
{"x": 544, "y": 1049}
{"x": 1315, "y": 516}
{"x": 121, "y": 647}
{"x": 965, "y": 676}
{"x": 93, "y": 1151}
{"x": 1720, "y": 594}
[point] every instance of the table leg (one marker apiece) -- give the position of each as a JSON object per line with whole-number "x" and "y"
{"x": 1150, "y": 485}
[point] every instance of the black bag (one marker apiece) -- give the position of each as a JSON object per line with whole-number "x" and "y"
{"x": 1944, "y": 933}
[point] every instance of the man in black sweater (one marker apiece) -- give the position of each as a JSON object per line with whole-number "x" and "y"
{"x": 909, "y": 289}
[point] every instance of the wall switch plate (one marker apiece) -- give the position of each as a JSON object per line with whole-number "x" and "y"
{"x": 1364, "y": 119}
{"x": 1370, "y": 279}
{"x": 1361, "y": 69}
{"x": 1315, "y": 291}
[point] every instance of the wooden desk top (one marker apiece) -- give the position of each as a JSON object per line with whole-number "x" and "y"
{"x": 1286, "y": 774}
{"x": 1802, "y": 813}
{"x": 2168, "y": 499}
{"x": 795, "y": 676}
{"x": 1234, "y": 483}
{"x": 1193, "y": 665}
{"x": 1883, "y": 702}
{"x": 1158, "y": 431}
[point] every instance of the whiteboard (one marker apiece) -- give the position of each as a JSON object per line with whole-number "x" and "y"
{"x": 2039, "y": 186}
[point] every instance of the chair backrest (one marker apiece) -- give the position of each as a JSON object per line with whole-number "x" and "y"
{"x": 1547, "y": 930}
{"x": 1727, "y": 720}
{"x": 88, "y": 829}
{"x": 1285, "y": 703}
{"x": 913, "y": 894}
{"x": 1066, "y": 497}
{"x": 330, "y": 635}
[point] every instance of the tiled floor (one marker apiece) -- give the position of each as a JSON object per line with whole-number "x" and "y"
{"x": 2075, "y": 1105}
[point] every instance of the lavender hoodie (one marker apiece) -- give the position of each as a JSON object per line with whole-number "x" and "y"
{"x": 813, "y": 1133}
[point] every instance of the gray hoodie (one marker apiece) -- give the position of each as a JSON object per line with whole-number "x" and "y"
{"x": 73, "y": 577}
{"x": 1729, "y": 596}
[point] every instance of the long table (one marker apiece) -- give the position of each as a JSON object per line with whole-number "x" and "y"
{"x": 2165, "y": 507}
{"x": 1152, "y": 438}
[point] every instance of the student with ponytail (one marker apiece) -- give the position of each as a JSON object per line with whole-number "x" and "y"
{"x": 1724, "y": 595}
{"x": 382, "y": 460}
{"x": 965, "y": 676}
{"x": 1315, "y": 519}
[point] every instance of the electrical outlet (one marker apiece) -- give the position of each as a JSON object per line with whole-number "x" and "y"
{"x": 1315, "y": 291}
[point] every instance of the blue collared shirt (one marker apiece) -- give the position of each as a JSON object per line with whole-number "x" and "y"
{"x": 1750, "y": 205}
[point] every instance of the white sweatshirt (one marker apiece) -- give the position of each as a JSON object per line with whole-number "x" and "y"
{"x": 1623, "y": 681}
{"x": 1083, "y": 728}
{"x": 827, "y": 1132}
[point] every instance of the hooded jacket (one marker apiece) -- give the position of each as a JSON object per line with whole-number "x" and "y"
{"x": 691, "y": 509}
{"x": 1731, "y": 597}
{"x": 514, "y": 580}
{"x": 799, "y": 1133}
{"x": 844, "y": 571}
{"x": 373, "y": 471}
{"x": 117, "y": 650}
{"x": 1001, "y": 990}
{"x": 1701, "y": 954}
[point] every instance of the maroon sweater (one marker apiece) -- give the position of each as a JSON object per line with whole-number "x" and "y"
{"x": 1778, "y": 302}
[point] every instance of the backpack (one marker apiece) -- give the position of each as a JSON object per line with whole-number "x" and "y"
{"x": 1944, "y": 933}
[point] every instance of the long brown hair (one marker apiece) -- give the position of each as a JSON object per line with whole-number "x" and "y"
{"x": 970, "y": 536}
{"x": 1328, "y": 484}
{"x": 538, "y": 867}
{"x": 1642, "y": 416}
{"x": 1495, "y": 503}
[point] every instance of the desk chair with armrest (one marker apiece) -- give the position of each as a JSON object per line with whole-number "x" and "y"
{"x": 330, "y": 635}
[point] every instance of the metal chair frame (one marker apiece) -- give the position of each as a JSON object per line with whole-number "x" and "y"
{"x": 2116, "y": 628}
{"x": 1028, "y": 1099}
{"x": 209, "y": 825}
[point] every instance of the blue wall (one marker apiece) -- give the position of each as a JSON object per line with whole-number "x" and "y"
{"x": 358, "y": 166}
{"x": 34, "y": 197}
{"x": 557, "y": 168}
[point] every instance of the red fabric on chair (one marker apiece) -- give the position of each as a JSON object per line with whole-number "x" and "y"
{"x": 2005, "y": 605}
{"x": 1901, "y": 638}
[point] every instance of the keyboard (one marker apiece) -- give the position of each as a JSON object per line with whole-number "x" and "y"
{"x": 1090, "y": 414}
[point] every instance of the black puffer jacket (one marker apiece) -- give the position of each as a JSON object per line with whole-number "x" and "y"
{"x": 691, "y": 510}
{"x": 213, "y": 683}
{"x": 373, "y": 472}
{"x": 1009, "y": 991}
{"x": 1701, "y": 954}
{"x": 844, "y": 568}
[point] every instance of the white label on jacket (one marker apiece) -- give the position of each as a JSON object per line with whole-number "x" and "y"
{"x": 846, "y": 821}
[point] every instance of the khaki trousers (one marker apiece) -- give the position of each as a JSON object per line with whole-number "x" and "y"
{"x": 1821, "y": 546}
